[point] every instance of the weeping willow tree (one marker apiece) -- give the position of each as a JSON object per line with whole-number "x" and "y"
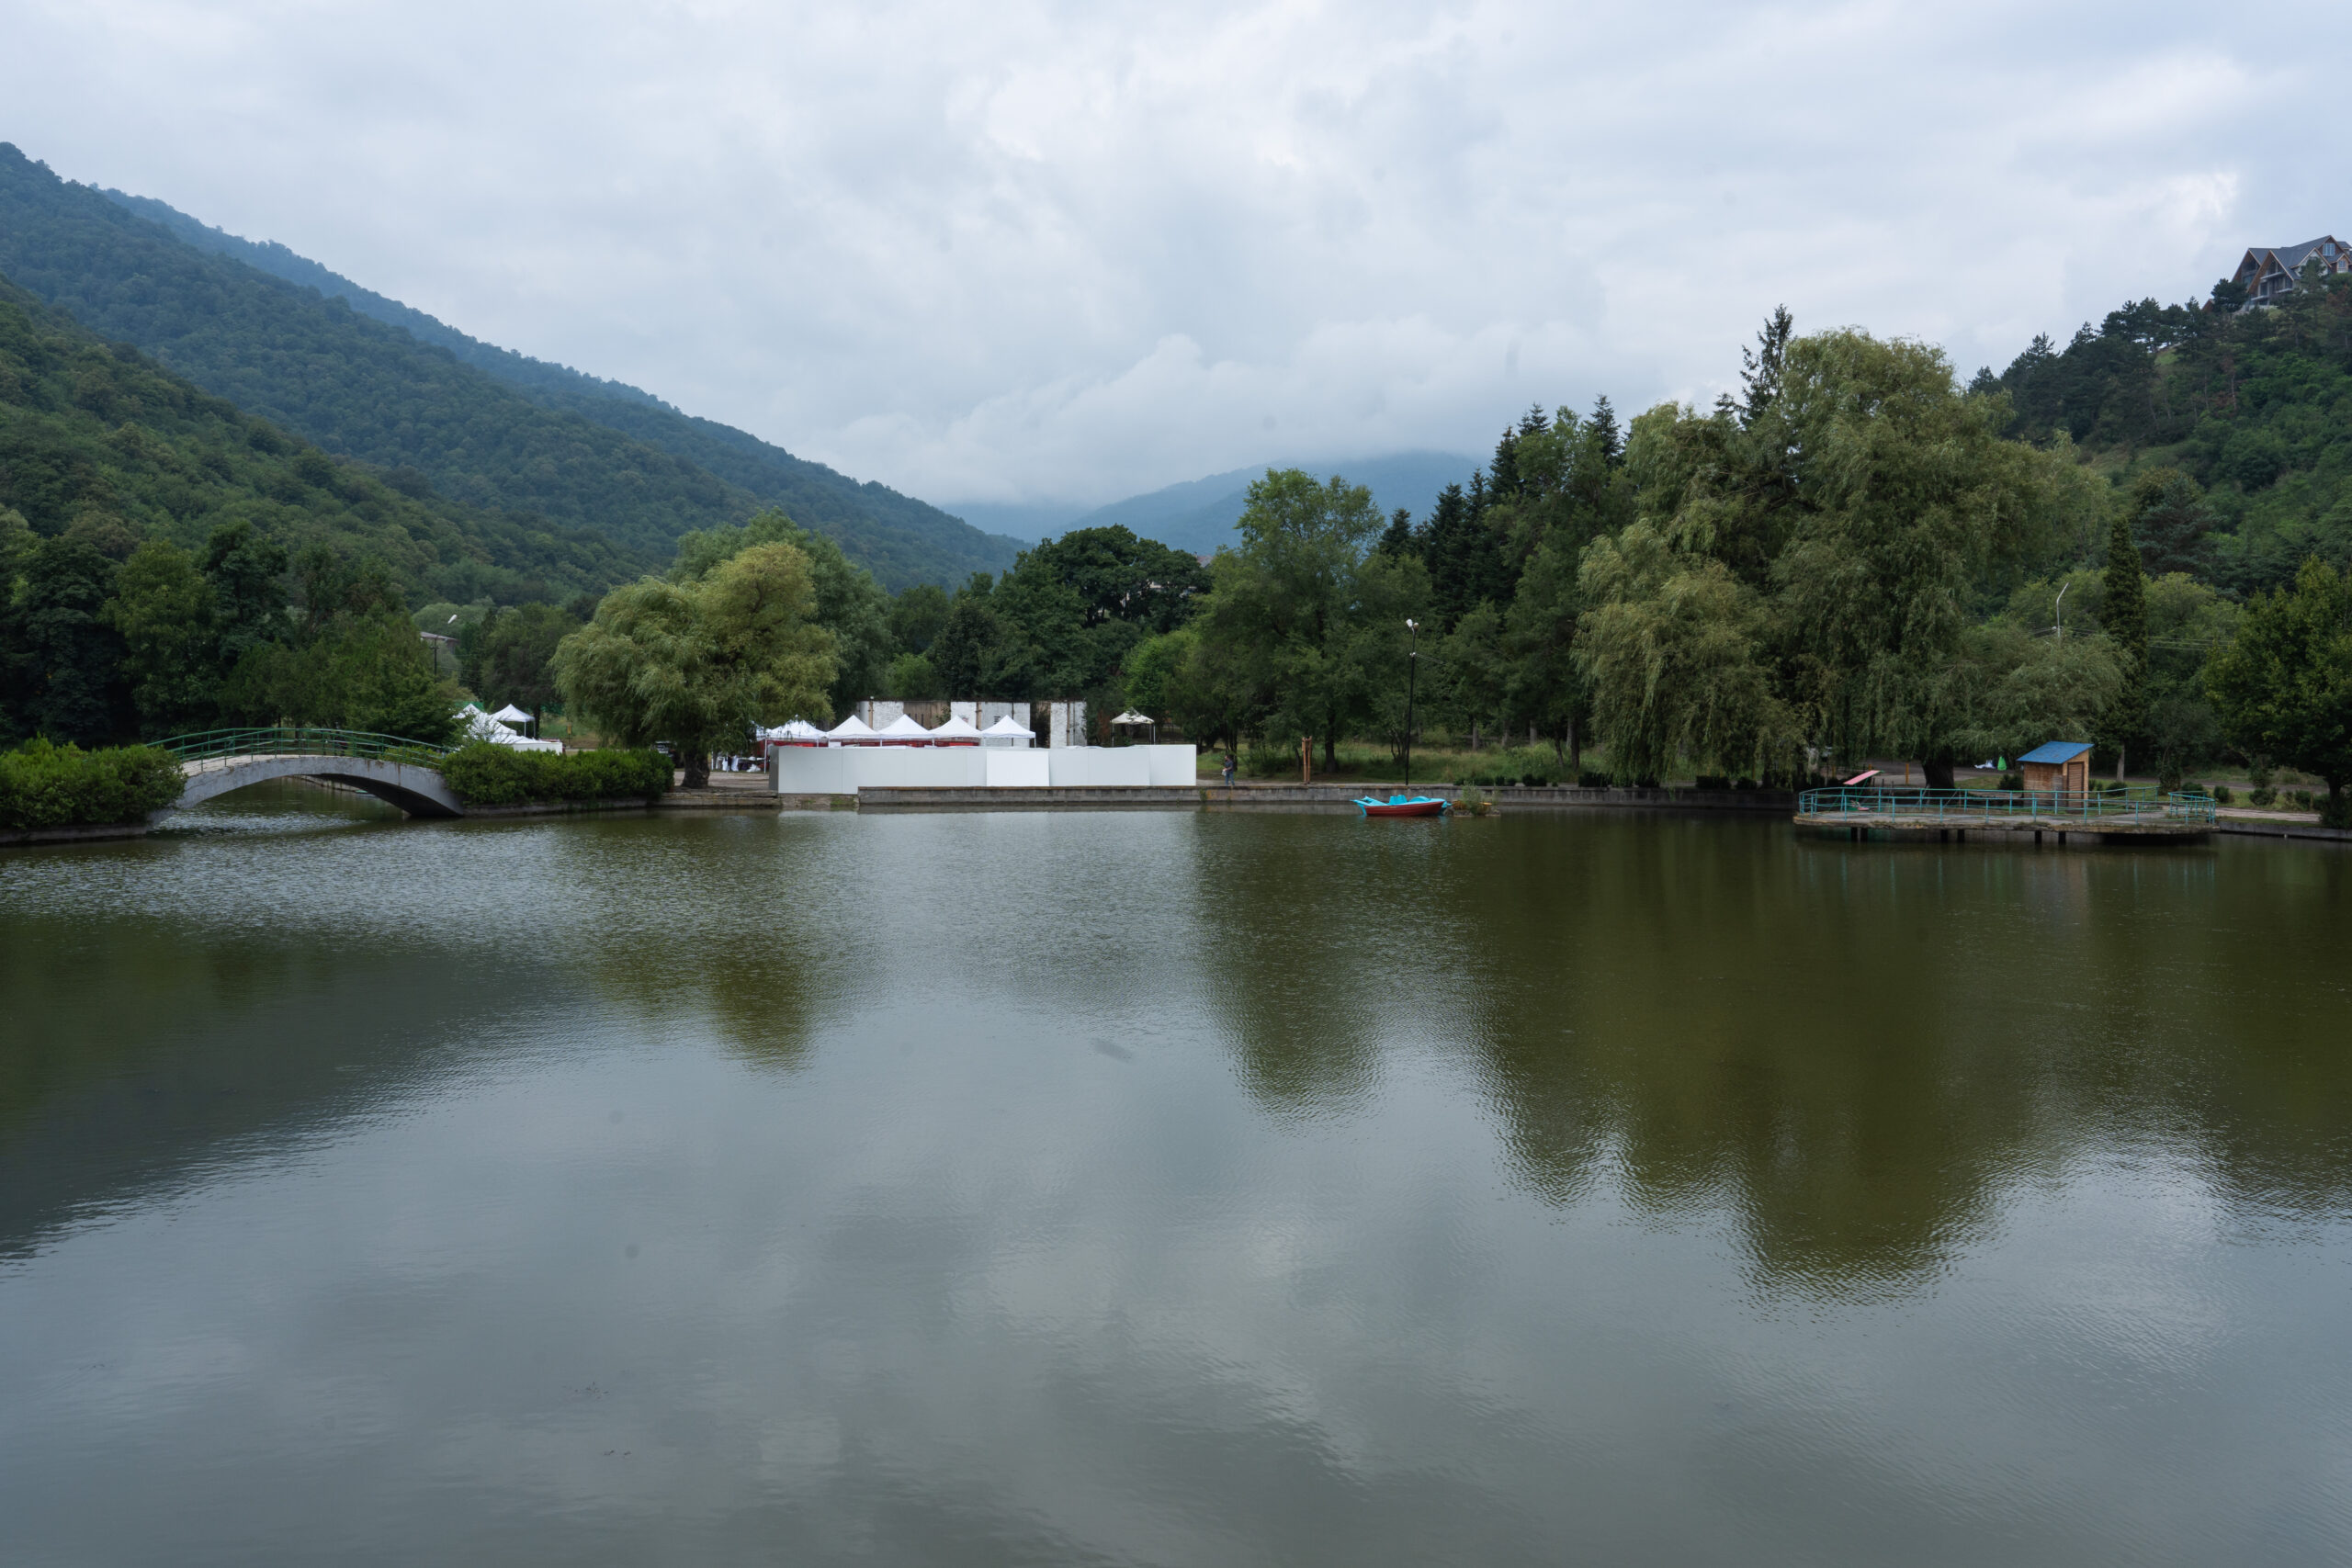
{"x": 695, "y": 664}
{"x": 1800, "y": 569}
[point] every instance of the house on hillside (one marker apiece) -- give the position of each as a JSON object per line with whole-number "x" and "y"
{"x": 2269, "y": 271}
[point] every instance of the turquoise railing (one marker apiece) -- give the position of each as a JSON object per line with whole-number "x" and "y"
{"x": 302, "y": 743}
{"x": 1963, "y": 808}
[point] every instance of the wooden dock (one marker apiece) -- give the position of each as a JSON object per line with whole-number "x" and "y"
{"x": 1949, "y": 816}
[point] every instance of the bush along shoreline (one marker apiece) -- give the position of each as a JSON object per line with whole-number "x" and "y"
{"x": 483, "y": 774}
{"x": 45, "y": 786}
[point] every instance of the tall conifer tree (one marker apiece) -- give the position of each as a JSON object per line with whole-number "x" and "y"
{"x": 2125, "y": 615}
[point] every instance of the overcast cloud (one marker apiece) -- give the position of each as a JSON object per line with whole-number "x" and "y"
{"x": 1039, "y": 252}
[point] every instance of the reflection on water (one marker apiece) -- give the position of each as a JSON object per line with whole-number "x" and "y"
{"x": 1168, "y": 1189}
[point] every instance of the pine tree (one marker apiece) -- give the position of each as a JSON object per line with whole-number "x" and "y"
{"x": 1760, "y": 368}
{"x": 1400, "y": 540}
{"x": 2125, "y": 615}
{"x": 1603, "y": 424}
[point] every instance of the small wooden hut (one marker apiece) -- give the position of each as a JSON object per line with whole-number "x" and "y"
{"x": 2061, "y": 766}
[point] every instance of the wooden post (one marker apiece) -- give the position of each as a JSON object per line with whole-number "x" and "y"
{"x": 1306, "y": 759}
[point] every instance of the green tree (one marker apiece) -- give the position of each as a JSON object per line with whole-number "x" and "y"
{"x": 2282, "y": 686}
{"x": 1304, "y": 625}
{"x": 2123, "y": 613}
{"x": 1674, "y": 650}
{"x": 1118, "y": 577}
{"x": 916, "y": 616}
{"x": 165, "y": 611}
{"x": 914, "y": 679}
{"x": 849, "y": 604}
{"x": 510, "y": 658}
{"x": 245, "y": 572}
{"x": 1547, "y": 686}
{"x": 62, "y": 659}
{"x": 967, "y": 652}
{"x": 694, "y": 664}
{"x": 1476, "y": 670}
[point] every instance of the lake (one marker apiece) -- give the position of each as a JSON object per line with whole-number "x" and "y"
{"x": 1164, "y": 1188}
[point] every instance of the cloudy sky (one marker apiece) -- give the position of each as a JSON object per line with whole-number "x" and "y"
{"x": 1027, "y": 251}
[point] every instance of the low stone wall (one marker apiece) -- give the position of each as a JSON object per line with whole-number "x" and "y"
{"x": 2307, "y": 831}
{"x": 83, "y": 833}
{"x": 1331, "y": 797}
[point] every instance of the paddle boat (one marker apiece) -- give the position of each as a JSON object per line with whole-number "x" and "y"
{"x": 1403, "y": 805}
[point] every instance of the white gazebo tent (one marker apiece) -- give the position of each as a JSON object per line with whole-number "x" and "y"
{"x": 904, "y": 731}
{"x": 509, "y": 714}
{"x": 1133, "y": 720}
{"x": 479, "y": 725}
{"x": 958, "y": 727}
{"x": 799, "y": 730}
{"x": 853, "y": 731}
{"x": 1007, "y": 731}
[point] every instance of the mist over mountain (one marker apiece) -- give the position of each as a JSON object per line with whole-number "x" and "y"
{"x": 371, "y": 380}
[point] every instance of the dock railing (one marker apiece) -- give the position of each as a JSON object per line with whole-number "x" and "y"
{"x": 2136, "y": 804}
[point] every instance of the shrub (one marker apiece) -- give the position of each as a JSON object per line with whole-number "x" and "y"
{"x": 1591, "y": 779}
{"x": 483, "y": 774}
{"x": 2303, "y": 799}
{"x": 2013, "y": 781}
{"x": 2221, "y": 793}
{"x": 43, "y": 785}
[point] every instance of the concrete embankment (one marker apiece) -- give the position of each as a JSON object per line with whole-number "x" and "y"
{"x": 1334, "y": 797}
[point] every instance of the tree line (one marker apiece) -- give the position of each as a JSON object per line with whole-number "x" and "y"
{"x": 1853, "y": 557}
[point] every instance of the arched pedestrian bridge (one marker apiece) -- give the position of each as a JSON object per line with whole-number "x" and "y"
{"x": 405, "y": 772}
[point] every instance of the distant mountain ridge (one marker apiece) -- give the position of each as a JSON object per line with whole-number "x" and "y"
{"x": 371, "y": 380}
{"x": 1199, "y": 514}
{"x": 897, "y": 547}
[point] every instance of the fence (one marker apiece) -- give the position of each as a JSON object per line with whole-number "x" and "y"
{"x": 284, "y": 742}
{"x": 2135, "y": 806}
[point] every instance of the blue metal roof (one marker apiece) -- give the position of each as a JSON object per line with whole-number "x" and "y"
{"x": 2056, "y": 752}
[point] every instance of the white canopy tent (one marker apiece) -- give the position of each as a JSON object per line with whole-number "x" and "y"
{"x": 904, "y": 729}
{"x": 798, "y": 730}
{"x": 854, "y": 730}
{"x": 1131, "y": 716}
{"x": 479, "y": 725}
{"x": 1007, "y": 731}
{"x": 509, "y": 714}
{"x": 958, "y": 727}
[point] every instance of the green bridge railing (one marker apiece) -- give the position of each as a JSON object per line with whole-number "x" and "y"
{"x": 1991, "y": 808}
{"x": 283, "y": 741}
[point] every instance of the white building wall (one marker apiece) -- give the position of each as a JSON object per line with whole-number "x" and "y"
{"x": 844, "y": 770}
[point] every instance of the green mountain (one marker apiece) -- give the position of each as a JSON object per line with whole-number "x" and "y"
{"x": 100, "y": 441}
{"x": 2252, "y": 410}
{"x": 368, "y": 379}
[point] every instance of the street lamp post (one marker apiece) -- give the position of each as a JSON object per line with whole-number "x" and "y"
{"x": 1412, "y": 669}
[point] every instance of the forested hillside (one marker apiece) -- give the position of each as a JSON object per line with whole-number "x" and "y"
{"x": 102, "y": 443}
{"x": 2252, "y": 411}
{"x": 370, "y": 391}
{"x": 900, "y": 539}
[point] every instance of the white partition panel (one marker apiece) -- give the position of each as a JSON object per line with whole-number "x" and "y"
{"x": 1011, "y": 769}
{"x": 1173, "y": 766}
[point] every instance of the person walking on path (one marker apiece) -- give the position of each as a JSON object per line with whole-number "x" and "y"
{"x": 1229, "y": 761}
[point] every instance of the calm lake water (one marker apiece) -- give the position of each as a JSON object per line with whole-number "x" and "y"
{"x": 1168, "y": 1188}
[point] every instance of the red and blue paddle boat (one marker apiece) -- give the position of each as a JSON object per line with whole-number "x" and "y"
{"x": 1403, "y": 805}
